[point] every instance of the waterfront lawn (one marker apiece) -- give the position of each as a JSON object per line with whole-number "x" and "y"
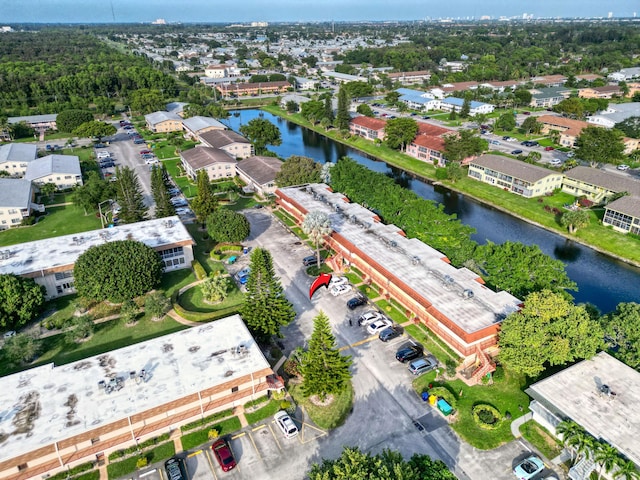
{"x": 58, "y": 221}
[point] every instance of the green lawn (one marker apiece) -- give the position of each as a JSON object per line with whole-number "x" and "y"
{"x": 200, "y": 437}
{"x": 539, "y": 437}
{"x": 174, "y": 281}
{"x": 329, "y": 417}
{"x": 182, "y": 181}
{"x": 267, "y": 411}
{"x": 193, "y": 301}
{"x": 505, "y": 394}
{"x": 107, "y": 336}
{"x": 125, "y": 467}
{"x": 58, "y": 221}
{"x": 431, "y": 343}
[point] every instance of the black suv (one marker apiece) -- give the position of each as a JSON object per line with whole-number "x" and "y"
{"x": 409, "y": 353}
{"x": 389, "y": 333}
{"x": 310, "y": 260}
{"x": 356, "y": 302}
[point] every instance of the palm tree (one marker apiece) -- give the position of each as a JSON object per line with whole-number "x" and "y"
{"x": 606, "y": 456}
{"x": 317, "y": 225}
{"x": 570, "y": 431}
{"x": 626, "y": 470}
{"x": 215, "y": 288}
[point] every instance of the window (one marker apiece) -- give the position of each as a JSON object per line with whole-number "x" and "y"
{"x": 95, "y": 440}
{"x": 22, "y": 467}
{"x": 234, "y": 389}
{"x": 63, "y": 275}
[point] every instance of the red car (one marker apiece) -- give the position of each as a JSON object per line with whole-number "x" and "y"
{"x": 548, "y": 149}
{"x": 222, "y": 451}
{"x": 146, "y": 152}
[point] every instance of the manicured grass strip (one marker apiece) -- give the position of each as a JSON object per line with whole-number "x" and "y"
{"x": 182, "y": 181}
{"x": 265, "y": 412}
{"x": 161, "y": 452}
{"x": 540, "y": 438}
{"x": 200, "y": 437}
{"x": 331, "y": 416}
{"x": 95, "y": 475}
{"x": 207, "y": 420}
{"x": 431, "y": 343}
{"x": 391, "y": 312}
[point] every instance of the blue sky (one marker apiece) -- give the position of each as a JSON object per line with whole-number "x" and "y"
{"x": 125, "y": 11}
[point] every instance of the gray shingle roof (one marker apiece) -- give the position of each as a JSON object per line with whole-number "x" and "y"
{"x": 51, "y": 117}
{"x": 627, "y": 205}
{"x": 261, "y": 169}
{"x": 18, "y": 152}
{"x": 15, "y": 193}
{"x": 611, "y": 181}
{"x": 514, "y": 168}
{"x": 157, "y": 117}
{"x": 198, "y": 123}
{"x": 201, "y": 157}
{"x": 67, "y": 164}
{"x": 222, "y": 138}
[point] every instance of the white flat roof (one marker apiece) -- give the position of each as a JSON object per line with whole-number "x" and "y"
{"x": 41, "y": 255}
{"x": 575, "y": 393}
{"x": 51, "y": 403}
{"x": 455, "y": 292}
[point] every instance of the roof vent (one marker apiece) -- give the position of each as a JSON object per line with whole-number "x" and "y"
{"x": 167, "y": 223}
{"x": 467, "y": 293}
{"x": 415, "y": 260}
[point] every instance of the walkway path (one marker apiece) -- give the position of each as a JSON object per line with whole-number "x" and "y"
{"x": 515, "y": 425}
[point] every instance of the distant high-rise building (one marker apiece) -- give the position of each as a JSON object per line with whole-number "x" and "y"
{"x": 159, "y": 21}
{"x": 610, "y": 15}
{"x": 259, "y": 24}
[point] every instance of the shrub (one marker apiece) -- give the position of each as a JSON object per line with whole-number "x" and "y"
{"x": 486, "y": 416}
{"x": 207, "y": 420}
{"x": 451, "y": 367}
{"x": 198, "y": 270}
{"x": 285, "y": 405}
{"x": 212, "y": 434}
{"x": 216, "y": 255}
{"x": 443, "y": 392}
{"x": 73, "y": 471}
{"x": 141, "y": 462}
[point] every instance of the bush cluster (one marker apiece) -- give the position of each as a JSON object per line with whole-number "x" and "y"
{"x": 73, "y": 471}
{"x": 198, "y": 270}
{"x": 141, "y": 446}
{"x": 443, "y": 392}
{"x": 486, "y": 416}
{"x": 207, "y": 420}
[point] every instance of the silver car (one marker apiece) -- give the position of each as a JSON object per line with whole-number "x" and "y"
{"x": 285, "y": 424}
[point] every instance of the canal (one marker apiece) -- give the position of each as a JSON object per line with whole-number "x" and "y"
{"x": 602, "y": 280}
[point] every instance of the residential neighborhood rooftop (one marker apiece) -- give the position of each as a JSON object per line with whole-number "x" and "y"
{"x": 14, "y": 192}
{"x": 198, "y": 123}
{"x": 162, "y": 116}
{"x": 18, "y": 152}
{"x": 67, "y": 164}
{"x": 201, "y": 156}
{"x": 50, "y": 117}
{"x": 49, "y": 403}
{"x": 614, "y": 182}
{"x": 261, "y": 169}
{"x": 515, "y": 168}
{"x": 222, "y": 138}
{"x": 41, "y": 255}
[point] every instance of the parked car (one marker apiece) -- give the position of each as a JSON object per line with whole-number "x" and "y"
{"x": 356, "y": 302}
{"x": 378, "y": 326}
{"x": 310, "y": 260}
{"x": 107, "y": 164}
{"x": 423, "y": 365}
{"x": 175, "y": 469}
{"x": 9, "y": 334}
{"x": 555, "y": 162}
{"x": 99, "y": 145}
{"x": 548, "y": 149}
{"x": 145, "y": 152}
{"x": 103, "y": 154}
{"x": 623, "y": 167}
{"x": 571, "y": 154}
{"x": 526, "y": 113}
{"x": 340, "y": 290}
{"x": 286, "y": 425}
{"x": 494, "y": 142}
{"x": 138, "y": 141}
{"x": 516, "y": 152}
{"x": 338, "y": 281}
{"x": 426, "y": 117}
{"x": 183, "y": 211}
{"x": 181, "y": 202}
{"x": 411, "y": 352}
{"x": 369, "y": 317}
{"x": 528, "y": 468}
{"x": 151, "y": 161}
{"x": 389, "y": 333}
{"x": 222, "y": 451}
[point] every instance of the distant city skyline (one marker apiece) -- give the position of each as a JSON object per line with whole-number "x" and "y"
{"x": 215, "y": 11}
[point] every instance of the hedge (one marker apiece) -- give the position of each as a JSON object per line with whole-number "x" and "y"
{"x": 443, "y": 392}
{"x": 95, "y": 475}
{"x": 207, "y": 420}
{"x": 198, "y": 270}
{"x": 205, "y": 316}
{"x": 194, "y": 439}
{"x": 216, "y": 255}
{"x": 495, "y": 413}
{"x": 257, "y": 401}
{"x": 224, "y": 247}
{"x": 73, "y": 471}
{"x": 130, "y": 465}
{"x": 141, "y": 446}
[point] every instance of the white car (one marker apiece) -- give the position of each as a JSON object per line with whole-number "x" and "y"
{"x": 335, "y": 281}
{"x": 285, "y": 424}
{"x": 183, "y": 211}
{"x": 340, "y": 290}
{"x": 103, "y": 154}
{"x": 623, "y": 167}
{"x": 151, "y": 161}
{"x": 369, "y": 317}
{"x": 378, "y": 326}
{"x": 571, "y": 154}
{"x": 9, "y": 334}
{"x": 555, "y": 162}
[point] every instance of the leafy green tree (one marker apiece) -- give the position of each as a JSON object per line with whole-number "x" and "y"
{"x": 521, "y": 269}
{"x": 95, "y": 128}
{"x": 48, "y": 189}
{"x": 316, "y": 225}
{"x": 144, "y": 100}
{"x": 522, "y": 96}
{"x": 21, "y": 348}
{"x": 117, "y": 271}
{"x": 205, "y": 202}
{"x": 129, "y": 195}
{"x": 323, "y": 369}
{"x": 549, "y": 330}
{"x": 571, "y": 106}
{"x": 266, "y": 308}
{"x": 82, "y": 328}
{"x": 597, "y": 144}
{"x": 400, "y": 132}
{"x": 22, "y": 130}
{"x": 531, "y": 125}
{"x": 261, "y": 132}
{"x": 215, "y": 288}
{"x": 224, "y": 225}
{"x": 342, "y": 116}
{"x": 328, "y": 108}
{"x": 22, "y": 300}
{"x": 365, "y": 109}
{"x": 630, "y": 127}
{"x": 129, "y": 312}
{"x": 463, "y": 144}
{"x": 94, "y": 191}
{"x": 454, "y": 172}
{"x": 506, "y": 122}
{"x": 626, "y": 470}
{"x": 156, "y": 305}
{"x": 569, "y": 431}
{"x": 160, "y": 192}
{"x": 466, "y": 107}
{"x": 622, "y": 330}
{"x": 297, "y": 170}
{"x": 388, "y": 465}
{"x": 358, "y": 89}
{"x": 533, "y": 157}
{"x": 606, "y": 456}
{"x": 68, "y": 120}
{"x": 292, "y": 106}
{"x": 575, "y": 219}
{"x": 313, "y": 110}
{"x": 392, "y": 97}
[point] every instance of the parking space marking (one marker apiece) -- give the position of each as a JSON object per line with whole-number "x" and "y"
{"x": 193, "y": 454}
{"x": 357, "y": 344}
{"x": 254, "y": 446}
{"x": 259, "y": 427}
{"x": 317, "y": 433}
{"x": 238, "y": 435}
{"x": 274, "y": 437}
{"x": 211, "y": 467}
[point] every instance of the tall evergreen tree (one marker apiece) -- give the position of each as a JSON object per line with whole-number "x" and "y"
{"x": 205, "y": 202}
{"x": 466, "y": 107}
{"x": 160, "y": 191}
{"x": 266, "y": 308}
{"x": 342, "y": 116}
{"x": 324, "y": 370}
{"x": 328, "y": 109}
{"x": 129, "y": 195}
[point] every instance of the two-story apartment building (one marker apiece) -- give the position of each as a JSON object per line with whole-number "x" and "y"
{"x": 367, "y": 127}
{"x": 607, "y": 91}
{"x": 40, "y": 123}
{"x": 410, "y": 78}
{"x": 231, "y": 142}
{"x": 623, "y": 214}
{"x": 16, "y": 197}
{"x": 195, "y": 126}
{"x": 217, "y": 163}
{"x": 216, "y": 71}
{"x": 455, "y": 104}
{"x": 569, "y": 129}
{"x": 83, "y": 411}
{"x": 515, "y": 176}
{"x": 548, "y": 97}
{"x": 418, "y": 100}
{"x": 428, "y": 144}
{"x": 14, "y": 158}
{"x": 597, "y": 185}
{"x": 161, "y": 122}
{"x": 253, "y": 89}
{"x": 259, "y": 173}
{"x": 61, "y": 170}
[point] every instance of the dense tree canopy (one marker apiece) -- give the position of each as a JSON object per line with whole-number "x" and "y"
{"x": 358, "y": 89}
{"x": 224, "y": 225}
{"x": 261, "y": 132}
{"x": 69, "y": 120}
{"x": 117, "y": 271}
{"x": 549, "y": 330}
{"x": 297, "y": 170}
{"x": 600, "y": 145}
{"x": 506, "y": 122}
{"x": 94, "y": 128}
{"x": 400, "y": 132}
{"x": 93, "y": 191}
{"x": 463, "y": 145}
{"x": 630, "y": 127}
{"x": 622, "y": 333}
{"x": 388, "y": 465}
{"x": 22, "y": 300}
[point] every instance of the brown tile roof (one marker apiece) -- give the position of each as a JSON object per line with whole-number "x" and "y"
{"x": 627, "y": 205}
{"x": 434, "y": 130}
{"x": 430, "y": 142}
{"x": 201, "y": 157}
{"x": 563, "y": 122}
{"x": 588, "y": 76}
{"x": 604, "y": 89}
{"x": 611, "y": 181}
{"x": 514, "y": 168}
{"x": 505, "y": 83}
{"x": 253, "y": 86}
{"x": 221, "y": 138}
{"x": 456, "y": 87}
{"x": 408, "y": 74}
{"x": 369, "y": 122}
{"x": 261, "y": 169}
